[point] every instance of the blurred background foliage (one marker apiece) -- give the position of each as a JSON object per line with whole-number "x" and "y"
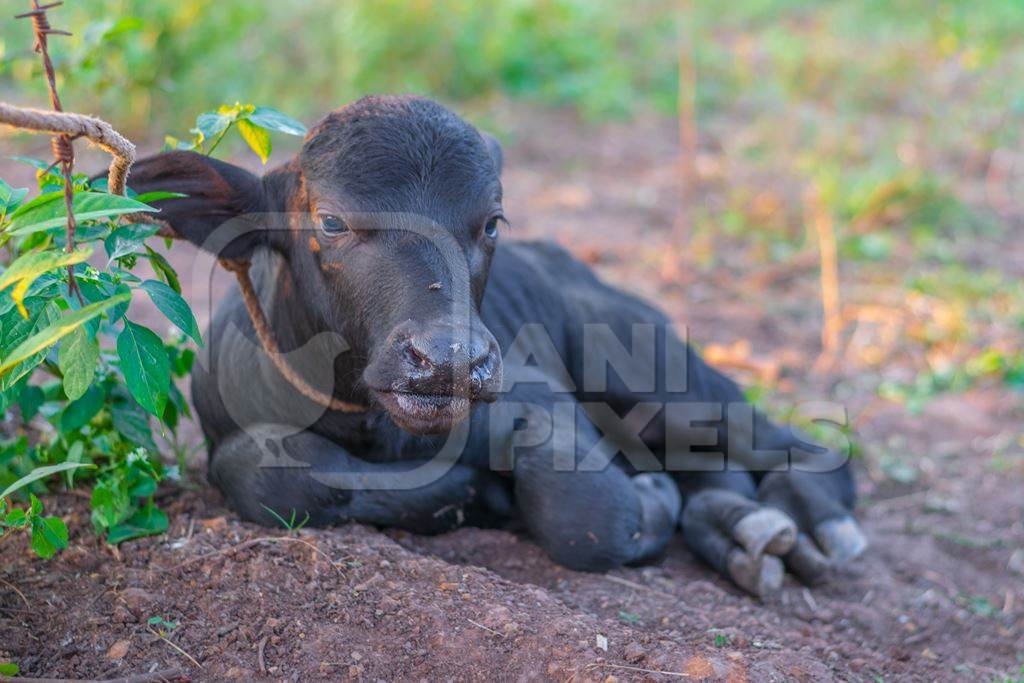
{"x": 166, "y": 58}
{"x": 884, "y": 108}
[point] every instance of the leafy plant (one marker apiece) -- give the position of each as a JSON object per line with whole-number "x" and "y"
{"x": 85, "y": 405}
{"x": 89, "y": 382}
{"x": 48, "y": 533}
{"x": 163, "y": 626}
{"x": 253, "y": 123}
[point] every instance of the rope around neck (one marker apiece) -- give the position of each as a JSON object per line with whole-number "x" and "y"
{"x": 266, "y": 337}
{"x": 69, "y": 125}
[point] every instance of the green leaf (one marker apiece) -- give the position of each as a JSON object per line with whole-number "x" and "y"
{"x": 6, "y": 192}
{"x": 110, "y": 503}
{"x": 29, "y": 401}
{"x": 39, "y": 473}
{"x": 177, "y": 400}
{"x": 174, "y": 307}
{"x": 74, "y": 455}
{"x": 86, "y": 206}
{"x": 78, "y": 413}
{"x": 117, "y": 312}
{"x": 142, "y": 485}
{"x": 170, "y": 416}
{"x": 29, "y": 267}
{"x": 9, "y": 669}
{"x": 257, "y": 138}
{"x": 10, "y": 198}
{"x": 102, "y": 289}
{"x": 41, "y": 286}
{"x": 148, "y": 521}
{"x": 14, "y": 331}
{"x": 89, "y": 232}
{"x": 210, "y": 124}
{"x": 48, "y": 535}
{"x": 132, "y": 423}
{"x": 39, "y": 164}
{"x": 16, "y": 518}
{"x": 162, "y": 266}
{"x": 122, "y": 25}
{"x": 182, "y": 362}
{"x": 157, "y": 195}
{"x": 60, "y": 328}
{"x": 128, "y": 238}
{"x": 147, "y": 372}
{"x": 272, "y": 119}
{"x": 76, "y": 358}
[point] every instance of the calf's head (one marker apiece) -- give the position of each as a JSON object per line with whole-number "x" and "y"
{"x": 387, "y": 219}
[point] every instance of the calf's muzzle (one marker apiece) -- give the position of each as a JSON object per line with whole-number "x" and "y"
{"x": 428, "y": 375}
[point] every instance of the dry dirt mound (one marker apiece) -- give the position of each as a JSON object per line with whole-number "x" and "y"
{"x": 349, "y": 602}
{"x": 353, "y": 602}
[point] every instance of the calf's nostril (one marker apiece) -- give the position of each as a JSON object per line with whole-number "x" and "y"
{"x": 482, "y": 376}
{"x": 417, "y": 357}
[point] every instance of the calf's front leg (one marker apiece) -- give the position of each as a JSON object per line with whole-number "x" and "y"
{"x": 268, "y": 471}
{"x": 585, "y": 515}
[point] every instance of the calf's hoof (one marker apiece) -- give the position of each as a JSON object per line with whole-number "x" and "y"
{"x": 765, "y": 530}
{"x": 760, "y": 576}
{"x": 835, "y": 543}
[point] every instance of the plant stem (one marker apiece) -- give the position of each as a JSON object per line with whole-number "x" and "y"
{"x": 220, "y": 137}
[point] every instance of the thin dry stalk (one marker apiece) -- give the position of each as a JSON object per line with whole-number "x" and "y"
{"x": 175, "y": 646}
{"x": 15, "y": 589}
{"x": 832, "y": 326}
{"x": 676, "y": 264}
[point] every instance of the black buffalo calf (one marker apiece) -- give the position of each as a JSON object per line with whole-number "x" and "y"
{"x": 376, "y": 255}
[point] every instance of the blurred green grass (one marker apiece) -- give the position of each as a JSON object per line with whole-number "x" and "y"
{"x": 168, "y": 57}
{"x": 155, "y": 63}
{"x": 878, "y": 104}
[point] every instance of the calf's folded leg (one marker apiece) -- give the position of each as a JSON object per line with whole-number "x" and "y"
{"x": 592, "y": 518}
{"x": 268, "y": 471}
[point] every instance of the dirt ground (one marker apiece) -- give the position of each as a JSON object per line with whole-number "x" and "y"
{"x": 939, "y": 595}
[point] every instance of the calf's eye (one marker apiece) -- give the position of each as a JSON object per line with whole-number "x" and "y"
{"x": 491, "y": 228}
{"x": 331, "y": 224}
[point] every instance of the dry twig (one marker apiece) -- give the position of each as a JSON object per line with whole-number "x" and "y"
{"x": 15, "y": 589}
{"x": 675, "y": 267}
{"x": 489, "y": 630}
{"x": 833, "y": 323}
{"x": 175, "y": 646}
{"x": 259, "y": 653}
{"x": 598, "y": 665}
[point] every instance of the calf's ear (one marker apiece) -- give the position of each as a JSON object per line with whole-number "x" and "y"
{"x": 221, "y": 210}
{"x": 494, "y": 148}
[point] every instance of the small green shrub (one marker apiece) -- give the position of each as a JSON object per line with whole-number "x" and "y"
{"x": 96, "y": 392}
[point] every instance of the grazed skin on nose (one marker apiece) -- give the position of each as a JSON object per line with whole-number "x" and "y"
{"x": 381, "y": 230}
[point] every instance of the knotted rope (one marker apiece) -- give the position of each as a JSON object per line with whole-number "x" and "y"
{"x": 68, "y": 126}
